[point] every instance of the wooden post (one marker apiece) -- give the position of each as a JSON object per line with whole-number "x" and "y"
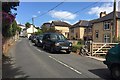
{"x": 91, "y": 48}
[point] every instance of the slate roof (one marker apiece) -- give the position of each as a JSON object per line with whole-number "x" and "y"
{"x": 81, "y": 23}
{"x": 105, "y": 18}
{"x": 61, "y": 23}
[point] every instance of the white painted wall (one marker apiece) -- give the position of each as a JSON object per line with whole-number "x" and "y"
{"x": 31, "y": 30}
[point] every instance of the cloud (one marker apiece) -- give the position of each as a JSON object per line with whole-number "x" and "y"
{"x": 17, "y": 22}
{"x": 108, "y": 7}
{"x": 39, "y": 12}
{"x": 63, "y": 15}
{"x": 34, "y": 16}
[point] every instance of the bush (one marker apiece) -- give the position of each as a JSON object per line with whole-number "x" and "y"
{"x": 75, "y": 47}
{"x": 80, "y": 42}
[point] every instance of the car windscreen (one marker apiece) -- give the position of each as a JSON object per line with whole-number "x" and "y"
{"x": 41, "y": 37}
{"x": 57, "y": 37}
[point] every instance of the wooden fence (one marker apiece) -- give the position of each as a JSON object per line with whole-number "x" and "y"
{"x": 100, "y": 48}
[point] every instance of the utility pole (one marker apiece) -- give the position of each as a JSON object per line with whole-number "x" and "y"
{"x": 33, "y": 24}
{"x": 114, "y": 23}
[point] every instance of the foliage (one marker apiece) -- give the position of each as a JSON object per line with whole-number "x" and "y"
{"x": 19, "y": 29}
{"x": 9, "y": 31}
{"x": 7, "y": 6}
{"x": 80, "y": 42}
{"x": 39, "y": 32}
{"x": 9, "y": 25}
{"x": 51, "y": 29}
{"x": 48, "y": 29}
{"x": 75, "y": 47}
{"x": 44, "y": 29}
{"x": 27, "y": 25}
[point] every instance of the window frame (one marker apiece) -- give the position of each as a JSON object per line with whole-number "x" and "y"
{"x": 107, "y": 38}
{"x": 97, "y": 31}
{"x": 106, "y": 27}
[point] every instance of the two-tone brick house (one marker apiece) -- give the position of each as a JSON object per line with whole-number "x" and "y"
{"x": 97, "y": 30}
{"x": 102, "y": 27}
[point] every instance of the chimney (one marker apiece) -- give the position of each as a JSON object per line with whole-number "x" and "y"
{"x": 102, "y": 14}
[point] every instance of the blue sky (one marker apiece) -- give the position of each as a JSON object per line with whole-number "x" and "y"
{"x": 27, "y": 10}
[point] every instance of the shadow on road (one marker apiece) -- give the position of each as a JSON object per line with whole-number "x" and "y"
{"x": 9, "y": 70}
{"x": 104, "y": 73}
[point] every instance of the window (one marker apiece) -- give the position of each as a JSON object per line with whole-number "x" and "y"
{"x": 72, "y": 30}
{"x": 107, "y": 38}
{"x": 90, "y": 30}
{"x": 76, "y": 35}
{"x": 96, "y": 34}
{"x": 107, "y": 26}
{"x": 85, "y": 31}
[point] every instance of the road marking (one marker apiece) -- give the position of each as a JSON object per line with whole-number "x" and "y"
{"x": 30, "y": 44}
{"x": 38, "y": 50}
{"x": 35, "y": 48}
{"x": 65, "y": 65}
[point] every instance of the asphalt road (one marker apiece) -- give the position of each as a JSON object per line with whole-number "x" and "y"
{"x": 33, "y": 62}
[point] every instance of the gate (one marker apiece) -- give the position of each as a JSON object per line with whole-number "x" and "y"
{"x": 100, "y": 48}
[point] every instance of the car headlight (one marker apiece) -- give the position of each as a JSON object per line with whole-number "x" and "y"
{"x": 70, "y": 44}
{"x": 57, "y": 44}
{"x": 40, "y": 41}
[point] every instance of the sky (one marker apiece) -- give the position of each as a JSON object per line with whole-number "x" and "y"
{"x": 70, "y": 12}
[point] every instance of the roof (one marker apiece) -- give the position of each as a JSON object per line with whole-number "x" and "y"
{"x": 81, "y": 23}
{"x": 61, "y": 23}
{"x": 107, "y": 17}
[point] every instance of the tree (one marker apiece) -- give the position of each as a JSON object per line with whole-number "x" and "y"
{"x": 44, "y": 29}
{"x": 8, "y": 18}
{"x": 7, "y": 6}
{"x": 27, "y": 25}
{"x": 39, "y": 32}
{"x": 51, "y": 29}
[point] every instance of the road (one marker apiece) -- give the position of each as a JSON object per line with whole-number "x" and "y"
{"x": 33, "y": 62}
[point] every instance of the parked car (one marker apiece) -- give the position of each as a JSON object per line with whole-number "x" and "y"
{"x": 56, "y": 42}
{"x": 38, "y": 40}
{"x": 113, "y": 61}
{"x": 33, "y": 38}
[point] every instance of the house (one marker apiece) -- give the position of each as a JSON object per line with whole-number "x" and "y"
{"x": 79, "y": 30}
{"x": 31, "y": 30}
{"x": 23, "y": 30}
{"x": 61, "y": 27}
{"x": 103, "y": 30}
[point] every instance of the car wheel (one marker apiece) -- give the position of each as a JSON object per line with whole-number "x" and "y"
{"x": 68, "y": 52}
{"x": 51, "y": 49}
{"x": 44, "y": 47}
{"x": 115, "y": 72}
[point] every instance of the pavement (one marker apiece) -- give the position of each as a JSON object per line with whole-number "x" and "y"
{"x": 96, "y": 58}
{"x": 92, "y": 57}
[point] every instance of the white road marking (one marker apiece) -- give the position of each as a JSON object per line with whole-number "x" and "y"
{"x": 35, "y": 48}
{"x": 65, "y": 65}
{"x": 38, "y": 50}
{"x": 30, "y": 44}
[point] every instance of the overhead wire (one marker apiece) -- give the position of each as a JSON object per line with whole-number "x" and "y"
{"x": 83, "y": 8}
{"x": 48, "y": 10}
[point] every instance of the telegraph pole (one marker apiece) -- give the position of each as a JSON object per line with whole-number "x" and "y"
{"x": 33, "y": 24}
{"x": 114, "y": 22}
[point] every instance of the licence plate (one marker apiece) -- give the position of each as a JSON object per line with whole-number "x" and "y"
{"x": 64, "y": 47}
